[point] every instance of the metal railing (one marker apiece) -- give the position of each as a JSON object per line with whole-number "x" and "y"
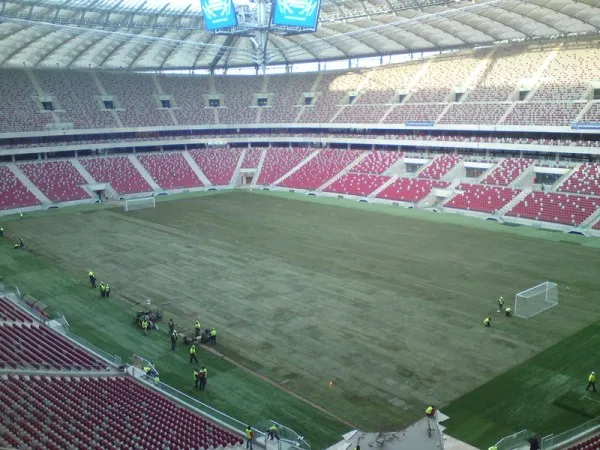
{"x": 288, "y": 438}
{"x": 553, "y": 441}
{"x": 515, "y": 441}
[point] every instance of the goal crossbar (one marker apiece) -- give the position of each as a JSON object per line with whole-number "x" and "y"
{"x": 133, "y": 204}
{"x": 533, "y": 301}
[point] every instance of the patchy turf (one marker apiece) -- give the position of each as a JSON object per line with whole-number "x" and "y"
{"x": 386, "y": 306}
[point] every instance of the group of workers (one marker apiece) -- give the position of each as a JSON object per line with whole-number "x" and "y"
{"x": 200, "y": 378}
{"x": 104, "y": 287}
{"x": 272, "y": 433}
{"x": 487, "y": 320}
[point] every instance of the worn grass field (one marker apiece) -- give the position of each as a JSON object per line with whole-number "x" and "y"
{"x": 385, "y": 303}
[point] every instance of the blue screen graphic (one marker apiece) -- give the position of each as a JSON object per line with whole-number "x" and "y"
{"x": 299, "y": 13}
{"x": 218, "y": 14}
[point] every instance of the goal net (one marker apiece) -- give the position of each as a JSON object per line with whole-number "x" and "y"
{"x": 139, "y": 203}
{"x": 536, "y": 299}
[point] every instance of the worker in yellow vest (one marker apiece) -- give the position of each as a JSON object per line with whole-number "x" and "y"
{"x": 198, "y": 328}
{"x": 92, "y": 279}
{"x": 500, "y": 304}
{"x": 273, "y": 432}
{"x": 249, "y": 437}
{"x": 508, "y": 311}
{"x": 145, "y": 325}
{"x": 193, "y": 354}
{"x": 591, "y": 382}
{"x": 430, "y": 411}
{"x": 213, "y": 336}
{"x": 487, "y": 322}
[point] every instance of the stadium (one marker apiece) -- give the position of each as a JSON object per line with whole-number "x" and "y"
{"x": 329, "y": 199}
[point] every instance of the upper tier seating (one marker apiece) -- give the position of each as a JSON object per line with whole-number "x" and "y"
{"x": 410, "y": 189}
{"x": 414, "y": 113}
{"x": 592, "y": 114}
{"x": 119, "y": 172}
{"x": 319, "y": 169}
{"x": 188, "y": 94}
{"x": 508, "y": 171}
{"x": 557, "y": 208}
{"x": 441, "y": 77}
{"x": 585, "y": 180}
{"x": 137, "y": 95}
{"x": 13, "y": 193}
{"x": 550, "y": 114}
{"x": 440, "y": 166}
{"x": 568, "y": 74}
{"x": 252, "y": 158}
{"x": 111, "y": 413}
{"x": 41, "y": 347}
{"x": 58, "y": 180}
{"x": 279, "y": 161}
{"x": 504, "y": 72}
{"x": 334, "y": 89}
{"x": 288, "y": 98}
{"x": 217, "y": 164}
{"x": 357, "y": 184}
{"x": 237, "y": 96}
{"x": 76, "y": 94}
{"x": 476, "y": 113}
{"x": 385, "y": 83}
{"x": 377, "y": 162}
{"x": 170, "y": 170}
{"x": 11, "y": 313}
{"x": 361, "y": 114}
{"x": 481, "y": 198}
{"x": 19, "y": 110}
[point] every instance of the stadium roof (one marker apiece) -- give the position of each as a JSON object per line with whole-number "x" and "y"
{"x": 141, "y": 35}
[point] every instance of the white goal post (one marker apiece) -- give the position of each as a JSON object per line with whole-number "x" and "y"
{"x": 132, "y": 204}
{"x": 536, "y": 299}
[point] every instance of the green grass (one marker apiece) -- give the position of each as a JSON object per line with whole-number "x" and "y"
{"x": 384, "y": 301}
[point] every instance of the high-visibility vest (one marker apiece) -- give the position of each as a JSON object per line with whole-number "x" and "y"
{"x": 429, "y": 410}
{"x": 197, "y": 325}
{"x": 192, "y": 350}
{"x": 501, "y": 301}
{"x": 90, "y": 274}
{"x": 107, "y": 288}
{"x": 249, "y": 433}
{"x": 196, "y": 373}
{"x": 102, "y": 287}
{"x": 486, "y": 320}
{"x": 592, "y": 377}
{"x": 147, "y": 369}
{"x": 273, "y": 428}
{"x": 144, "y": 324}
{"x": 213, "y": 332}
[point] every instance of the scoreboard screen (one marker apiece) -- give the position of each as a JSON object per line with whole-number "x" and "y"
{"x": 298, "y": 13}
{"x": 218, "y": 14}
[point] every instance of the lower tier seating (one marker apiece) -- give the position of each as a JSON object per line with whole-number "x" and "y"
{"x": 556, "y": 208}
{"x": 170, "y": 170}
{"x": 40, "y": 347}
{"x": 217, "y": 164}
{"x": 13, "y": 193}
{"x": 357, "y": 184}
{"x": 119, "y": 172}
{"x": 323, "y": 167}
{"x": 377, "y": 162}
{"x": 280, "y": 160}
{"x": 58, "y": 180}
{"x": 487, "y": 199}
{"x": 60, "y": 412}
{"x": 592, "y": 443}
{"x": 11, "y": 313}
{"x": 596, "y": 226}
{"x": 410, "y": 189}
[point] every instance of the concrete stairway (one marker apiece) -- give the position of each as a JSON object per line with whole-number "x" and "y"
{"x": 196, "y": 169}
{"x": 296, "y": 167}
{"x": 510, "y": 205}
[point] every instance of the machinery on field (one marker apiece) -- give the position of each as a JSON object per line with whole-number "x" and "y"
{"x": 192, "y": 339}
{"x": 152, "y": 315}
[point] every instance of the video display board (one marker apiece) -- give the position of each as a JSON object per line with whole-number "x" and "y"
{"x": 299, "y": 13}
{"x": 218, "y": 14}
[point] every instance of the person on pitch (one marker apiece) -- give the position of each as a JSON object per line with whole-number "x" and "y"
{"x": 106, "y": 290}
{"x": 500, "y": 303}
{"x": 171, "y": 326}
{"x": 102, "y": 289}
{"x": 92, "y": 279}
{"x": 202, "y": 376}
{"x": 192, "y": 352}
{"x": 174, "y": 337}
{"x": 591, "y": 382}
{"x": 508, "y": 311}
{"x": 487, "y": 321}
{"x": 198, "y": 328}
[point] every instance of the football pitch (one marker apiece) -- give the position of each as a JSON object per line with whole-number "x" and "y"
{"x": 369, "y": 311}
